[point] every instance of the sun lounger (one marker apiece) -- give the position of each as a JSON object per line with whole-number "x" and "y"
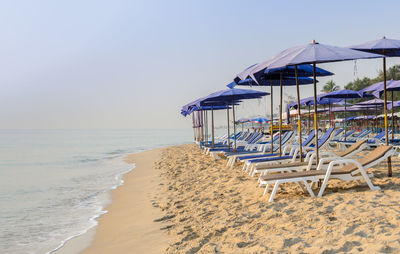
{"x": 252, "y": 164}
{"x": 286, "y": 137}
{"x": 309, "y": 163}
{"x": 353, "y": 170}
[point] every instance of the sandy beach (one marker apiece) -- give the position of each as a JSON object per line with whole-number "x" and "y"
{"x": 191, "y": 203}
{"x": 131, "y": 226}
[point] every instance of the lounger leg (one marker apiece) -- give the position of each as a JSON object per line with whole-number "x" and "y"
{"x": 368, "y": 180}
{"x": 302, "y": 187}
{"x": 274, "y": 190}
{"x": 229, "y": 162}
{"x": 266, "y": 189}
{"x": 309, "y": 188}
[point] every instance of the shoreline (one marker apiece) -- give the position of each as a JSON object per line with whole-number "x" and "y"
{"x": 130, "y": 204}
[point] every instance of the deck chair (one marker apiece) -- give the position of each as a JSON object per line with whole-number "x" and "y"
{"x": 266, "y": 152}
{"x": 287, "y": 153}
{"x": 348, "y": 170}
{"x": 255, "y": 164}
{"x": 252, "y": 164}
{"x": 309, "y": 163}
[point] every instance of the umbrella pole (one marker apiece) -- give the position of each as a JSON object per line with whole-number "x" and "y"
{"x": 315, "y": 113}
{"x": 206, "y": 124}
{"x": 298, "y": 112}
{"x": 280, "y": 116}
{"x": 345, "y": 122}
{"x": 234, "y": 125}
{"x": 202, "y": 126}
{"x": 389, "y": 160}
{"x": 309, "y": 118}
{"x": 212, "y": 127}
{"x": 392, "y": 119}
{"x": 272, "y": 118}
{"x": 376, "y": 118}
{"x": 229, "y": 135}
{"x": 330, "y": 117}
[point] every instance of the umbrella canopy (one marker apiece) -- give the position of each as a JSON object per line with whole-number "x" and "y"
{"x": 230, "y": 95}
{"x": 371, "y": 102}
{"x": 243, "y": 120}
{"x": 317, "y": 53}
{"x": 260, "y": 120}
{"x": 353, "y": 108}
{"x": 286, "y": 81}
{"x": 391, "y": 85}
{"x": 341, "y": 94}
{"x": 261, "y": 71}
{"x": 388, "y": 47}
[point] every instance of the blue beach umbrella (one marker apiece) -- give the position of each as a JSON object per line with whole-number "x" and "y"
{"x": 231, "y": 96}
{"x": 388, "y": 48}
{"x": 314, "y": 53}
{"x": 343, "y": 94}
{"x": 260, "y": 120}
{"x": 261, "y": 75}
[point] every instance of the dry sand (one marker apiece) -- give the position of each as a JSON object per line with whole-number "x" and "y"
{"x": 205, "y": 207}
{"x": 215, "y": 209}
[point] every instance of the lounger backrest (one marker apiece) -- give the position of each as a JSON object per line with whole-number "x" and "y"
{"x": 309, "y": 139}
{"x": 350, "y": 133}
{"x": 364, "y": 134}
{"x": 288, "y": 135}
{"x": 251, "y": 136}
{"x": 370, "y": 157}
{"x": 275, "y": 138}
{"x": 360, "y": 133}
{"x": 380, "y": 135}
{"x": 256, "y": 138}
{"x": 340, "y": 130}
{"x": 243, "y": 136}
{"x": 325, "y": 137}
{"x": 352, "y": 148}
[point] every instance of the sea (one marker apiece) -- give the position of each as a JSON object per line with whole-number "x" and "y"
{"x": 55, "y": 183}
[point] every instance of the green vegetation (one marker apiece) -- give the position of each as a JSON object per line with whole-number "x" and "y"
{"x": 330, "y": 86}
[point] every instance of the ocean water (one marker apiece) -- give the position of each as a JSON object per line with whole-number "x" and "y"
{"x": 55, "y": 183}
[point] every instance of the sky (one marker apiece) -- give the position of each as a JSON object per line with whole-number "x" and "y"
{"x": 133, "y": 64}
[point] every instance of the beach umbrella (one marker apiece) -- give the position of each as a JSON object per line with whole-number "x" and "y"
{"x": 230, "y": 96}
{"x": 243, "y": 121}
{"x": 260, "y": 120}
{"x": 281, "y": 81}
{"x": 376, "y": 103}
{"x": 388, "y": 48}
{"x": 262, "y": 71}
{"x": 343, "y": 94}
{"x": 391, "y": 86}
{"x": 314, "y": 53}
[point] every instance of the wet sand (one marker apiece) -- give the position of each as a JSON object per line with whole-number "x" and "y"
{"x": 131, "y": 226}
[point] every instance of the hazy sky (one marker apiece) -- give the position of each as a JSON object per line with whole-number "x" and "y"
{"x": 133, "y": 64}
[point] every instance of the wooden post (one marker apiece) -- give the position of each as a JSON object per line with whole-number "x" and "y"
{"x": 280, "y": 116}
{"x": 234, "y": 124}
{"x": 298, "y": 112}
{"x": 315, "y": 113}
{"x": 272, "y": 118}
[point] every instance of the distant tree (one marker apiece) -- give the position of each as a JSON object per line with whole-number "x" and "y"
{"x": 391, "y": 73}
{"x": 330, "y": 86}
{"x": 359, "y": 84}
